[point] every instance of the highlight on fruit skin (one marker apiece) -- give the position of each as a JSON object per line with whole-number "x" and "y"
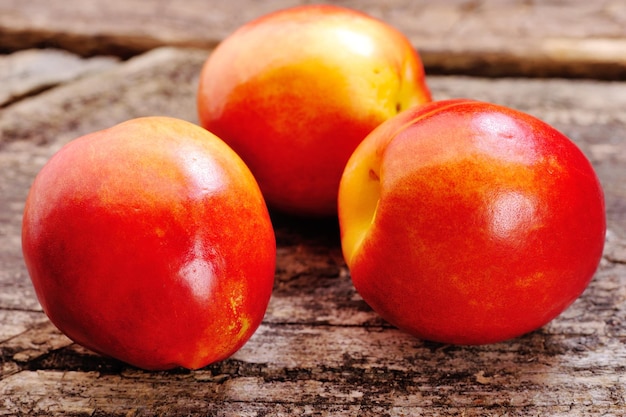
{"x": 150, "y": 242}
{"x": 467, "y": 222}
{"x": 295, "y": 91}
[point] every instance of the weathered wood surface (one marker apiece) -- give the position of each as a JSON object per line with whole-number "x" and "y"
{"x": 489, "y": 37}
{"x": 320, "y": 349}
{"x": 30, "y": 71}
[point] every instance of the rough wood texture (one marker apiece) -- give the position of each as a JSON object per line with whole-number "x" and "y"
{"x": 29, "y": 72}
{"x": 320, "y": 349}
{"x": 502, "y": 37}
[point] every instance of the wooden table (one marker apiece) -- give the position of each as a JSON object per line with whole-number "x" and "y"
{"x": 320, "y": 349}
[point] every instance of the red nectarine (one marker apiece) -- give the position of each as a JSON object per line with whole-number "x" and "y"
{"x": 467, "y": 222}
{"x": 150, "y": 242}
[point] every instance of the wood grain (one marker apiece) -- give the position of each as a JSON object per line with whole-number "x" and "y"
{"x": 575, "y": 38}
{"x": 320, "y": 350}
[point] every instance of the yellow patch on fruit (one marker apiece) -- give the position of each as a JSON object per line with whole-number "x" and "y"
{"x": 363, "y": 181}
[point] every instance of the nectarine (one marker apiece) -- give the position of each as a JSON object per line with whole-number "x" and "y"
{"x": 150, "y": 242}
{"x": 467, "y": 222}
{"x": 295, "y": 91}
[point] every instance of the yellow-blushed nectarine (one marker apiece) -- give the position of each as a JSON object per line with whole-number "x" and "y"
{"x": 467, "y": 222}
{"x": 295, "y": 91}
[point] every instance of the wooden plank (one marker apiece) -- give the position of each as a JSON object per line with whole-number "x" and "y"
{"x": 364, "y": 367}
{"x": 572, "y": 37}
{"x": 29, "y": 72}
{"x": 320, "y": 349}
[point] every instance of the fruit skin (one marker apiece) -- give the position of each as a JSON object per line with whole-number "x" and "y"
{"x": 295, "y": 91}
{"x": 150, "y": 242}
{"x": 465, "y": 222}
